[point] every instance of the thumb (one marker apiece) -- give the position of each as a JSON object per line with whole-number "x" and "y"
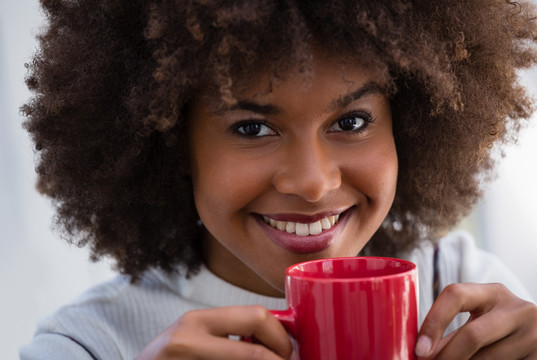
{"x": 427, "y": 349}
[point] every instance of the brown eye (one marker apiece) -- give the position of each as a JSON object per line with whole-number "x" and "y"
{"x": 253, "y": 129}
{"x": 351, "y": 122}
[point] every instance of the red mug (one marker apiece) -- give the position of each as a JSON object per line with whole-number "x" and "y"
{"x": 352, "y": 308}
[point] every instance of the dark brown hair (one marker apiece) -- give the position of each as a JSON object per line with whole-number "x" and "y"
{"x": 112, "y": 81}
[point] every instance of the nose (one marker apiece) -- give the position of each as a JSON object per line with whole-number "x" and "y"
{"x": 308, "y": 171}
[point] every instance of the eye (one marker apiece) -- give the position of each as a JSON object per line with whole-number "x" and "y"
{"x": 253, "y": 128}
{"x": 352, "y": 122}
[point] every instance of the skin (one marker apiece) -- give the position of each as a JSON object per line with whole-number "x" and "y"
{"x": 501, "y": 325}
{"x": 296, "y": 165}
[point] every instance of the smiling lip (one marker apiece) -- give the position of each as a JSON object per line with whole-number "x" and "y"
{"x": 303, "y": 244}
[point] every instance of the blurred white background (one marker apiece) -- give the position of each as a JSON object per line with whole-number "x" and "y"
{"x": 39, "y": 272}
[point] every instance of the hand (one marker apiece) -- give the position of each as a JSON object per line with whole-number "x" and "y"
{"x": 501, "y": 326}
{"x": 203, "y": 334}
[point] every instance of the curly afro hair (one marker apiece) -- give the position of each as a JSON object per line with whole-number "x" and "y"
{"x": 113, "y": 79}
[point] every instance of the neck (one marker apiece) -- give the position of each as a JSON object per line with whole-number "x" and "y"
{"x": 228, "y": 267}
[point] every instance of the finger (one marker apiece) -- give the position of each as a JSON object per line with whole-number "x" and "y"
{"x": 441, "y": 343}
{"x": 224, "y": 349}
{"x": 522, "y": 343}
{"x": 455, "y": 298}
{"x": 511, "y": 347}
{"x": 246, "y": 321}
{"x": 477, "y": 334}
{"x": 180, "y": 345}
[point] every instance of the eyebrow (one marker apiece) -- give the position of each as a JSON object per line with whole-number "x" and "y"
{"x": 257, "y": 108}
{"x": 369, "y": 88}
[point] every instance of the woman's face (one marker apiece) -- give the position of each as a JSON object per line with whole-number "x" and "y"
{"x": 304, "y": 171}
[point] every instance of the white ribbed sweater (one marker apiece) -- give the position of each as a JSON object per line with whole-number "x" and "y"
{"x": 117, "y": 319}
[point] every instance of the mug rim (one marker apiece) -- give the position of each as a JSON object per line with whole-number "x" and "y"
{"x": 412, "y": 269}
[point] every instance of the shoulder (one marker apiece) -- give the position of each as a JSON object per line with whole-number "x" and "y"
{"x": 455, "y": 258}
{"x": 115, "y": 319}
{"x": 459, "y": 260}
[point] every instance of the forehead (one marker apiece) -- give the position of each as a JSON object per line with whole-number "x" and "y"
{"x": 321, "y": 74}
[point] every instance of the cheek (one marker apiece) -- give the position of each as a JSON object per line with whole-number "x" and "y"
{"x": 224, "y": 182}
{"x": 386, "y": 174}
{"x": 375, "y": 173}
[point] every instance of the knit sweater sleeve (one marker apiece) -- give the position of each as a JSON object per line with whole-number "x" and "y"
{"x": 113, "y": 320}
{"x": 51, "y": 346}
{"x": 117, "y": 319}
{"x": 80, "y": 330}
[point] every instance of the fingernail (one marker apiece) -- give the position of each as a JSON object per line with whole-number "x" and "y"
{"x": 423, "y": 346}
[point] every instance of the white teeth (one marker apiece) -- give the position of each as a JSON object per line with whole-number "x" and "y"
{"x": 325, "y": 223}
{"x": 290, "y": 227}
{"x": 281, "y": 225}
{"x": 303, "y": 229}
{"x": 333, "y": 219}
{"x": 315, "y": 228}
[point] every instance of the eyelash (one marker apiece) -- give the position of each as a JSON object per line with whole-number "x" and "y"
{"x": 235, "y": 128}
{"x": 365, "y": 116}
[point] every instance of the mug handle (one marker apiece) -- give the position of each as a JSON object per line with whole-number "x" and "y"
{"x": 287, "y": 318}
